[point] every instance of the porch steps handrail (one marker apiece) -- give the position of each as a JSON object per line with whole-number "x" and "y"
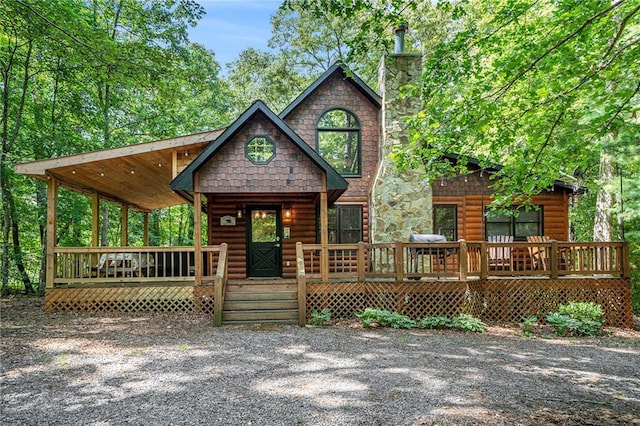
{"x": 220, "y": 285}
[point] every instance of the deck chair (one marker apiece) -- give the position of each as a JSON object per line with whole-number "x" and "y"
{"x": 538, "y": 254}
{"x": 500, "y": 257}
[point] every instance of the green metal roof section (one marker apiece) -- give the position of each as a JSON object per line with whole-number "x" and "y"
{"x": 348, "y": 75}
{"x": 185, "y": 182}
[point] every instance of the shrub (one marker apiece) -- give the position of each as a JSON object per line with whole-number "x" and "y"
{"x": 466, "y": 322}
{"x": 635, "y": 291}
{"x": 527, "y": 325}
{"x": 435, "y": 322}
{"x": 579, "y": 318}
{"x": 320, "y": 318}
{"x": 372, "y": 317}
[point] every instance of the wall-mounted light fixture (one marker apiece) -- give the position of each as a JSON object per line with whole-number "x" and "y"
{"x": 287, "y": 212}
{"x": 73, "y": 172}
{"x": 239, "y": 212}
{"x": 102, "y": 173}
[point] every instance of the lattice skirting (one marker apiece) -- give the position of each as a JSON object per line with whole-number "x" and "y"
{"x": 131, "y": 299}
{"x": 415, "y": 299}
{"x": 501, "y": 300}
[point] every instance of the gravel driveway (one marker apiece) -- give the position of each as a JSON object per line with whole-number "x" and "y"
{"x": 176, "y": 369}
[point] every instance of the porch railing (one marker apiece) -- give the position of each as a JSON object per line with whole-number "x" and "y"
{"x": 462, "y": 260}
{"x": 92, "y": 265}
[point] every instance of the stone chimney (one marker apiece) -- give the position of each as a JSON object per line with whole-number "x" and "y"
{"x": 401, "y": 202}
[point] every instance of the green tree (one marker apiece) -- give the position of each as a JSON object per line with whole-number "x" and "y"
{"x": 86, "y": 75}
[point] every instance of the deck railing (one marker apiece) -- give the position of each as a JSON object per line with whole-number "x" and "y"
{"x": 93, "y": 265}
{"x": 462, "y": 260}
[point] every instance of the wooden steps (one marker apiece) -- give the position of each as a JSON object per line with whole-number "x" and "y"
{"x": 260, "y": 301}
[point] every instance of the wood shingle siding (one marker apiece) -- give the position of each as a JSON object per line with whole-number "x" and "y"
{"x": 230, "y": 171}
{"x": 337, "y": 92}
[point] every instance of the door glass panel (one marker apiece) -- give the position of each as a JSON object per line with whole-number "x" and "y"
{"x": 263, "y": 226}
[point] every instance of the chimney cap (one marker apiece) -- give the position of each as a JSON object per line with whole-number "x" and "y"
{"x": 402, "y": 26}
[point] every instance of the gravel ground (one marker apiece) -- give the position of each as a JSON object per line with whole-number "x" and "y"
{"x": 176, "y": 369}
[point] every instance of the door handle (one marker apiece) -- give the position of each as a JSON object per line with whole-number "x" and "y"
{"x": 277, "y": 245}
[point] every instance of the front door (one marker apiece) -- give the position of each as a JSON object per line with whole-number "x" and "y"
{"x": 264, "y": 242}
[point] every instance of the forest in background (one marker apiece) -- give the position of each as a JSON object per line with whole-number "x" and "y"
{"x": 548, "y": 89}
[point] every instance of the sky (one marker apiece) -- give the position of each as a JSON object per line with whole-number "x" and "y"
{"x": 230, "y": 26}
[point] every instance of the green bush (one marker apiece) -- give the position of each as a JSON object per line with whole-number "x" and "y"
{"x": 635, "y": 292}
{"x": 435, "y": 322}
{"x": 577, "y": 318}
{"x": 466, "y": 322}
{"x": 373, "y": 316}
{"x": 320, "y": 318}
{"x": 527, "y": 325}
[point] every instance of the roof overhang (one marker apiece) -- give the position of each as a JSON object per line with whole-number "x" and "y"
{"x": 138, "y": 176}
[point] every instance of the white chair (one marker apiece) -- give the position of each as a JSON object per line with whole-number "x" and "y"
{"x": 500, "y": 256}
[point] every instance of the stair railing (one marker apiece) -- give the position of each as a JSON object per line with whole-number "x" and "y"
{"x": 301, "y": 280}
{"x": 219, "y": 286}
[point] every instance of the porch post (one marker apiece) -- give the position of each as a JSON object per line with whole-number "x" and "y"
{"x": 95, "y": 219}
{"x": 124, "y": 221}
{"x": 52, "y": 222}
{"x": 145, "y": 236}
{"x": 324, "y": 238}
{"x": 197, "y": 236}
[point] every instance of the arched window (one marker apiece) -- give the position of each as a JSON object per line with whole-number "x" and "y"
{"x": 339, "y": 141}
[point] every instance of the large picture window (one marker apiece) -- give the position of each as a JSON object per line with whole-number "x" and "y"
{"x": 344, "y": 224}
{"x": 338, "y": 134}
{"x": 445, "y": 218}
{"x": 520, "y": 223}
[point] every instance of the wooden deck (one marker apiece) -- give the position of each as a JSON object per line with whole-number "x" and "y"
{"x": 440, "y": 279}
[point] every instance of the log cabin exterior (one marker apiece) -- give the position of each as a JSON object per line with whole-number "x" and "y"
{"x": 290, "y": 214}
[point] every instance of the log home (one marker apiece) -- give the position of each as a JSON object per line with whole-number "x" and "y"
{"x": 306, "y": 210}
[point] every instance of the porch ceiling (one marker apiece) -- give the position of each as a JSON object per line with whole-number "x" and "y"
{"x": 136, "y": 175}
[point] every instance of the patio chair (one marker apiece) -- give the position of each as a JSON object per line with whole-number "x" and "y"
{"x": 538, "y": 254}
{"x": 500, "y": 257}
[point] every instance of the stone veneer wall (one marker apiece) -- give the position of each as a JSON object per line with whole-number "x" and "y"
{"x": 401, "y": 202}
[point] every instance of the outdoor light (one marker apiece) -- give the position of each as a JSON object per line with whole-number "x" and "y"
{"x": 133, "y": 171}
{"x": 287, "y": 212}
{"x": 186, "y": 153}
{"x": 239, "y": 212}
{"x": 73, "y": 172}
{"x": 159, "y": 164}
{"x": 102, "y": 173}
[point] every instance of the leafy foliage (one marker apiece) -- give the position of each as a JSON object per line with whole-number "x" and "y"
{"x": 435, "y": 322}
{"x": 527, "y": 324}
{"x": 320, "y": 318}
{"x": 579, "y": 318}
{"x": 466, "y": 322}
{"x": 374, "y": 317}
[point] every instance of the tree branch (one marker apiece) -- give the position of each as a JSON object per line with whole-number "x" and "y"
{"x": 500, "y": 92}
{"x": 621, "y": 28}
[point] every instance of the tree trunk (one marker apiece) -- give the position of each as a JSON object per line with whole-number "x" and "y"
{"x": 17, "y": 248}
{"x": 41, "y": 200}
{"x": 603, "y": 221}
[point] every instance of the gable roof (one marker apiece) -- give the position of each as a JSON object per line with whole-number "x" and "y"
{"x": 347, "y": 74}
{"x": 110, "y": 172}
{"x": 336, "y": 184}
